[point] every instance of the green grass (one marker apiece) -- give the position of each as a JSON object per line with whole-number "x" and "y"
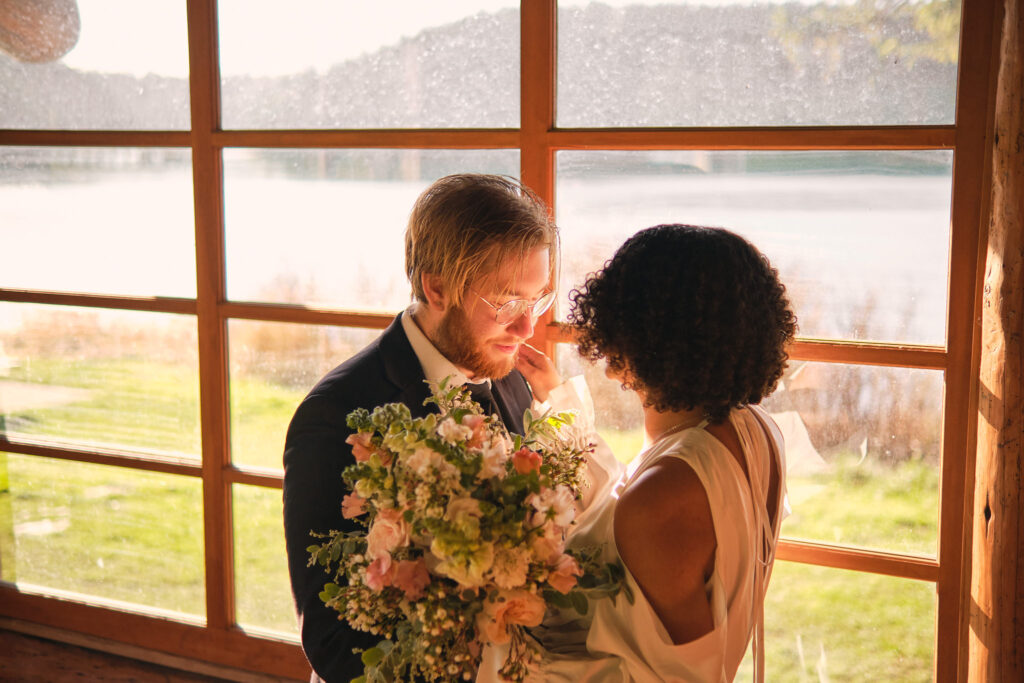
{"x": 137, "y": 536}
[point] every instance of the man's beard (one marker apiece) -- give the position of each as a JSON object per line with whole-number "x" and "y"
{"x": 454, "y": 342}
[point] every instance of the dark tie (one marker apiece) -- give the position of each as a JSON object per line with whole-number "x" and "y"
{"x": 481, "y": 393}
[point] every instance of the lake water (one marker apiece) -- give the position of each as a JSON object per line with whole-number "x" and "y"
{"x": 865, "y": 256}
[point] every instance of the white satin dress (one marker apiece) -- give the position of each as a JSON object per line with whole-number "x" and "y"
{"x": 618, "y": 641}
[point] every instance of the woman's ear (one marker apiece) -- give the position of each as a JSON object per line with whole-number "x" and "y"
{"x": 436, "y": 292}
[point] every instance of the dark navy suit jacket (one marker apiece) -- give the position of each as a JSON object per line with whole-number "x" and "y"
{"x": 386, "y": 371}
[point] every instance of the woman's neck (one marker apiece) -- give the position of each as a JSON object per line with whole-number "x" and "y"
{"x": 662, "y": 423}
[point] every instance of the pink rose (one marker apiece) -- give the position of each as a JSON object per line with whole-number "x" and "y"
{"x": 360, "y": 442}
{"x": 380, "y": 573}
{"x": 476, "y": 423}
{"x": 525, "y": 460}
{"x": 388, "y": 531}
{"x": 352, "y": 505}
{"x": 411, "y": 577}
{"x": 511, "y": 607}
{"x": 562, "y": 576}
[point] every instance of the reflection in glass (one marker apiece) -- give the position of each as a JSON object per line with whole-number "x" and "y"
{"x": 262, "y": 591}
{"x": 389, "y": 64}
{"x": 862, "y": 454}
{"x": 108, "y": 532}
{"x": 861, "y": 239}
{"x": 273, "y": 366}
{"x": 760, "y": 63}
{"x": 94, "y": 65}
{"x": 327, "y": 227}
{"x": 100, "y": 378}
{"x": 98, "y": 220}
{"x": 825, "y": 624}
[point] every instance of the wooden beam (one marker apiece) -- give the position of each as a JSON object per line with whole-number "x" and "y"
{"x": 165, "y": 632}
{"x": 842, "y": 557}
{"x": 168, "y": 463}
{"x": 154, "y": 304}
{"x": 795, "y": 138}
{"x": 537, "y": 74}
{"x": 208, "y": 181}
{"x": 371, "y": 139}
{"x": 294, "y": 313}
{"x": 997, "y": 576}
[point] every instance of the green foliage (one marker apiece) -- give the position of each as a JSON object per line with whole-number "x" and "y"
{"x": 894, "y": 29}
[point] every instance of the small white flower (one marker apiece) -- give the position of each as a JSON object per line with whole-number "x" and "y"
{"x": 452, "y": 432}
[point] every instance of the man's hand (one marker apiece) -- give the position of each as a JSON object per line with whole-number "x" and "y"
{"x": 538, "y": 370}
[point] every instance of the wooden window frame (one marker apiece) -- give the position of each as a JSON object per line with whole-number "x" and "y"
{"x": 220, "y": 640}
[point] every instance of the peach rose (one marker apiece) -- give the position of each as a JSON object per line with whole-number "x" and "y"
{"x": 562, "y": 576}
{"x": 411, "y": 576}
{"x": 352, "y": 505}
{"x": 388, "y": 531}
{"x": 525, "y": 460}
{"x": 380, "y": 573}
{"x": 548, "y": 546}
{"x": 360, "y": 442}
{"x": 511, "y": 607}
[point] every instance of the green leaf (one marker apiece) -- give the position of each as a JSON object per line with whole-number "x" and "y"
{"x": 579, "y": 602}
{"x": 373, "y": 656}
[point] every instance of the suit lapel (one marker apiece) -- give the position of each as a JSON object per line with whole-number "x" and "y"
{"x": 402, "y": 368}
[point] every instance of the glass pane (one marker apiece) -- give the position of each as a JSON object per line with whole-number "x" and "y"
{"x": 108, "y": 532}
{"x": 100, "y": 378}
{"x": 262, "y": 589}
{"x": 393, "y": 64}
{"x": 763, "y": 63}
{"x": 862, "y": 454}
{"x": 861, "y": 239}
{"x": 94, "y": 64}
{"x": 327, "y": 227}
{"x": 825, "y": 624}
{"x": 618, "y": 414}
{"x": 273, "y": 367}
{"x": 100, "y": 220}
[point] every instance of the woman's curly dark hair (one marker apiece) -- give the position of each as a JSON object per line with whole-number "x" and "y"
{"x": 691, "y": 316}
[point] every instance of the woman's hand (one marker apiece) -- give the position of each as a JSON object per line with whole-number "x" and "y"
{"x": 538, "y": 370}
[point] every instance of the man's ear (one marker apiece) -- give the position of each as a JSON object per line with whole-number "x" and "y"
{"x": 436, "y": 292}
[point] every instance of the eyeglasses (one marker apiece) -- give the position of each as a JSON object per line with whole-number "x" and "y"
{"x": 514, "y": 309}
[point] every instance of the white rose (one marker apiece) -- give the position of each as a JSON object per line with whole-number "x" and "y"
{"x": 559, "y": 501}
{"x": 495, "y": 455}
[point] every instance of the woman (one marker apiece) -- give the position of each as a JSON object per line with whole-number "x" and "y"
{"x": 697, "y": 323}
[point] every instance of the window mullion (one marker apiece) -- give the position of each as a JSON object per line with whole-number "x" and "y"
{"x": 204, "y": 86}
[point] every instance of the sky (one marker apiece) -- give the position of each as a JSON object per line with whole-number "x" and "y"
{"x": 258, "y": 37}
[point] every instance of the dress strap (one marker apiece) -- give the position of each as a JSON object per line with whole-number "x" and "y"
{"x": 767, "y": 527}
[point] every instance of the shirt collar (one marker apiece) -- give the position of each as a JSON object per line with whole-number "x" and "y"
{"x": 435, "y": 366}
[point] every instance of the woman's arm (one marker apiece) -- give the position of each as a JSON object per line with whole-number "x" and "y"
{"x": 666, "y": 538}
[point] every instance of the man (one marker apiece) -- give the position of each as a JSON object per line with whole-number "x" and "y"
{"x": 480, "y": 254}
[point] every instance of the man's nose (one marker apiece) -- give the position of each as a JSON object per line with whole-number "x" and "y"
{"x": 522, "y": 326}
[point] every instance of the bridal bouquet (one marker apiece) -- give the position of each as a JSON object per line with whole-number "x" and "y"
{"x": 463, "y": 537}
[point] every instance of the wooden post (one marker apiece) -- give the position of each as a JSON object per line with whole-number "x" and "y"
{"x": 996, "y": 648}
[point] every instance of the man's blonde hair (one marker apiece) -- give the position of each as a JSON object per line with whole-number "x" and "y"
{"x": 463, "y": 225}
